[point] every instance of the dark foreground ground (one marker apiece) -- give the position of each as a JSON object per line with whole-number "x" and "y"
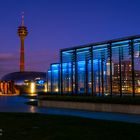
{"x": 27, "y": 126}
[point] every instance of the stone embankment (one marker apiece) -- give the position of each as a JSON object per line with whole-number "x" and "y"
{"x": 99, "y": 107}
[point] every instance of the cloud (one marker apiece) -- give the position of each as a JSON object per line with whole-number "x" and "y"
{"x": 34, "y": 61}
{"x": 7, "y": 57}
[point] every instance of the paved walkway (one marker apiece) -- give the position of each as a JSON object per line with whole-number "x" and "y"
{"x": 16, "y": 104}
{"x": 97, "y": 115}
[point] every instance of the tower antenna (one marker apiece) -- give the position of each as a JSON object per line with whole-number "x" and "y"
{"x": 22, "y": 19}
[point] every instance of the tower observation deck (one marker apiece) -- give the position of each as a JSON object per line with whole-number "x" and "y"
{"x": 22, "y": 33}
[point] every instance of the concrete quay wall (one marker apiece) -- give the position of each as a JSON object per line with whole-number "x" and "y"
{"x": 99, "y": 107}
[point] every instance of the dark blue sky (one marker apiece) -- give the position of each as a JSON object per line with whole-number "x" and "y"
{"x": 57, "y": 24}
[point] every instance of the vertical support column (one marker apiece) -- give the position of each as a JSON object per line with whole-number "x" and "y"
{"x": 72, "y": 77}
{"x": 92, "y": 92}
{"x": 47, "y": 81}
{"x": 102, "y": 70}
{"x": 110, "y": 58}
{"x": 61, "y": 71}
{"x": 72, "y": 74}
{"x": 13, "y": 87}
{"x": 99, "y": 77}
{"x": 133, "y": 70}
{"x": 59, "y": 77}
{"x": 76, "y": 76}
{"x": 4, "y": 87}
{"x": 102, "y": 75}
{"x": 86, "y": 76}
{"x": 67, "y": 78}
{"x": 51, "y": 81}
{"x": 120, "y": 70}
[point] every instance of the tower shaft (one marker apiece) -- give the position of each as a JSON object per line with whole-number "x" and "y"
{"x": 22, "y": 66}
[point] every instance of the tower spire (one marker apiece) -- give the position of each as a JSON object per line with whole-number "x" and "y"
{"x": 22, "y": 19}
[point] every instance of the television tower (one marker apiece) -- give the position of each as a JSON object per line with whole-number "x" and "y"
{"x": 22, "y": 33}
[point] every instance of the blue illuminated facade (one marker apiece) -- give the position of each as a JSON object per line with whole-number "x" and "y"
{"x": 53, "y": 78}
{"x": 105, "y": 68}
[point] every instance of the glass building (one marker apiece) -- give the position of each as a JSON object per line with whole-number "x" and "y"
{"x": 104, "y": 68}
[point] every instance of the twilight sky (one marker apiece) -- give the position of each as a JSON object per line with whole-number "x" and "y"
{"x": 57, "y": 24}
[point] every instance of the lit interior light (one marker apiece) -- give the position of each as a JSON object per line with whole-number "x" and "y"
{"x": 41, "y": 82}
{"x": 45, "y": 88}
{"x": 137, "y": 54}
{"x": 138, "y": 82}
{"x": 138, "y": 90}
{"x": 56, "y": 89}
{"x": 32, "y": 87}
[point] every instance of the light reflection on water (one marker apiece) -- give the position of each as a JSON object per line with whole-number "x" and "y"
{"x": 17, "y": 104}
{"x": 32, "y": 100}
{"x": 32, "y": 109}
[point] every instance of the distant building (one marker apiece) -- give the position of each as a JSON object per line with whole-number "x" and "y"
{"x": 27, "y": 82}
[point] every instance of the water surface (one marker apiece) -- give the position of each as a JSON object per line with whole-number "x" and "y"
{"x": 17, "y": 104}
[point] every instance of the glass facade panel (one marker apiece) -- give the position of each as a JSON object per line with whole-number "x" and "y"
{"x": 67, "y": 71}
{"x": 49, "y": 81}
{"x": 55, "y": 69}
{"x": 137, "y": 65}
{"x": 66, "y": 77}
{"x": 122, "y": 63}
{"x": 54, "y": 78}
{"x": 126, "y": 69}
{"x": 84, "y": 70}
{"x": 101, "y": 68}
{"x": 116, "y": 70}
{"x": 81, "y": 76}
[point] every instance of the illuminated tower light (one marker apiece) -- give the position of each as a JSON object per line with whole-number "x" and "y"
{"x": 22, "y": 33}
